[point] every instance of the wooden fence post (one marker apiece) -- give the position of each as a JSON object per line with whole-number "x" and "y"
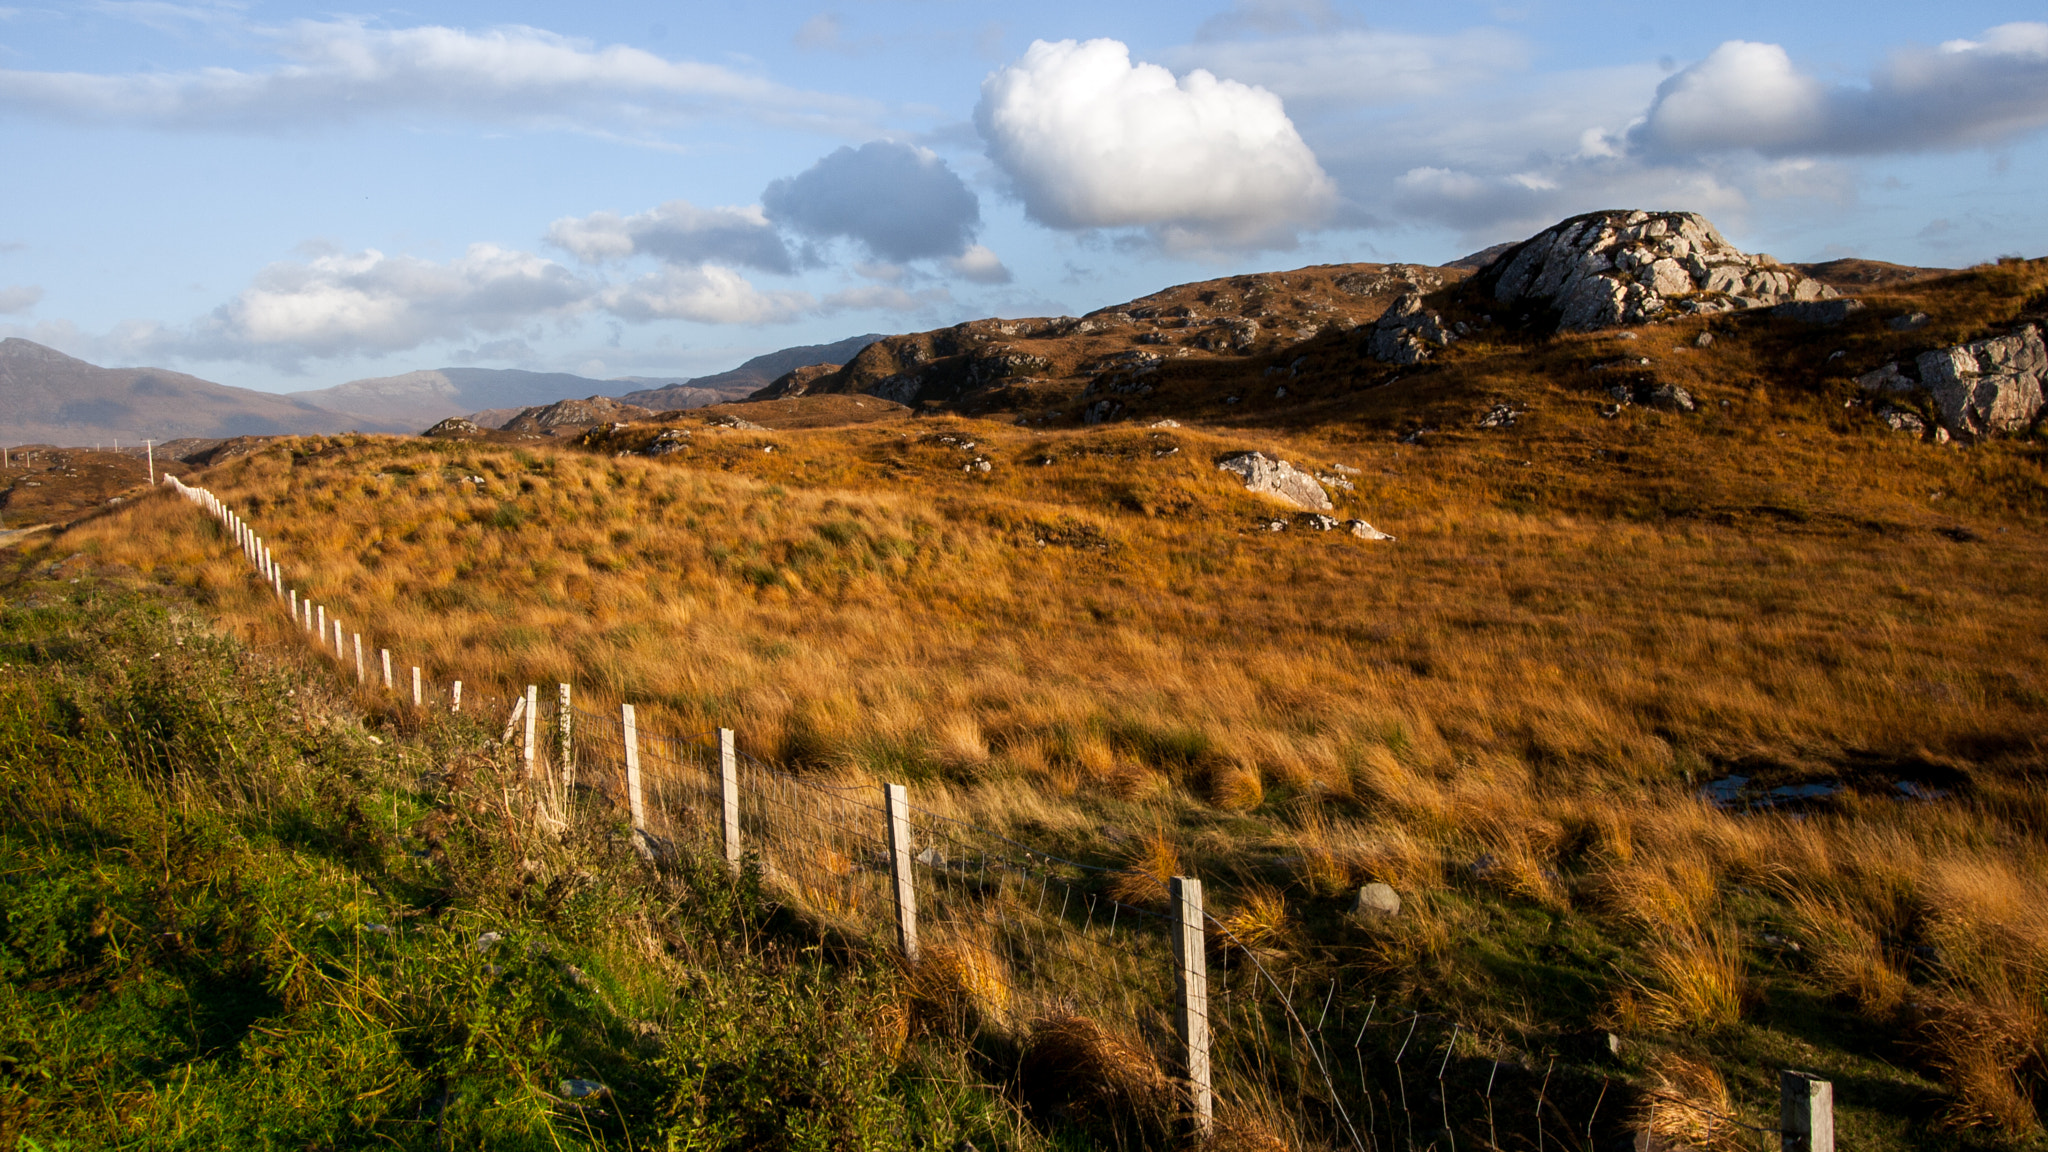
{"x": 1192, "y": 995}
{"x": 359, "y": 657}
{"x": 318, "y": 625}
{"x": 1806, "y": 1112}
{"x": 564, "y": 719}
{"x": 729, "y": 796}
{"x": 385, "y": 654}
{"x": 277, "y": 580}
{"x": 897, "y": 801}
{"x": 458, "y": 697}
{"x": 632, "y": 736}
{"x": 340, "y": 653}
{"x": 417, "y": 699}
{"x": 532, "y": 712}
{"x": 295, "y": 605}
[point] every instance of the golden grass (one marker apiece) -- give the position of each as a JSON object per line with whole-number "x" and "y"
{"x": 1581, "y": 624}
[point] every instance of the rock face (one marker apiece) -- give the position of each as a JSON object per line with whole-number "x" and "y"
{"x": 1995, "y": 385}
{"x": 1989, "y": 386}
{"x": 1274, "y": 477}
{"x": 795, "y": 382}
{"x": 569, "y": 416}
{"x": 1608, "y": 269}
{"x": 1407, "y": 333}
{"x": 454, "y": 426}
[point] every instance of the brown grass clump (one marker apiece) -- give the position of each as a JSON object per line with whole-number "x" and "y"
{"x": 1994, "y": 1061}
{"x": 1847, "y": 957}
{"x": 1686, "y": 1106}
{"x": 1259, "y": 924}
{"x": 1236, "y": 788}
{"x": 961, "y": 984}
{"x": 1145, "y": 881}
{"x": 1698, "y": 981}
{"x": 1075, "y": 1069}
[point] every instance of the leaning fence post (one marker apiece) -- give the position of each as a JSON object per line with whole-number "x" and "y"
{"x": 532, "y": 708}
{"x": 631, "y": 731}
{"x": 385, "y": 655}
{"x": 1806, "y": 1112}
{"x": 898, "y": 804}
{"x": 1192, "y": 994}
{"x": 417, "y": 699}
{"x": 563, "y": 715}
{"x": 359, "y": 657}
{"x": 729, "y": 795}
{"x": 295, "y": 605}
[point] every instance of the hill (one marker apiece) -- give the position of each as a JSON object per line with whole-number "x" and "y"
{"x": 48, "y": 397}
{"x": 751, "y": 376}
{"x": 414, "y": 400}
{"x": 1690, "y": 713}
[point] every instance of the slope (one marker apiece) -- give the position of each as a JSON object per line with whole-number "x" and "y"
{"x": 46, "y": 396}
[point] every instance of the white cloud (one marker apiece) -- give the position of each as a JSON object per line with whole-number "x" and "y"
{"x": 342, "y": 70}
{"x": 1964, "y": 94}
{"x": 1091, "y": 140}
{"x": 19, "y": 298}
{"x": 979, "y": 265}
{"x": 1355, "y": 67}
{"x": 707, "y": 294}
{"x": 347, "y": 304}
{"x": 677, "y": 232}
{"x": 901, "y": 202}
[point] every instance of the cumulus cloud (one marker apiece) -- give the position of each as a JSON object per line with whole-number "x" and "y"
{"x": 676, "y": 233}
{"x": 347, "y": 304}
{"x": 1090, "y": 140}
{"x": 707, "y": 294}
{"x": 901, "y": 202}
{"x": 979, "y": 265}
{"x": 1358, "y": 67}
{"x": 1964, "y": 93}
{"x": 19, "y": 298}
{"x": 342, "y": 70}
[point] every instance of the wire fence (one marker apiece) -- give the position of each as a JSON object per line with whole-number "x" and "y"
{"x": 1126, "y": 985}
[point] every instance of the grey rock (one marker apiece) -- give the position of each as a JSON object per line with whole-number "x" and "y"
{"x": 1990, "y": 386}
{"x": 1824, "y": 312}
{"x": 1670, "y": 398}
{"x": 1901, "y": 420}
{"x": 1704, "y": 340}
{"x": 1276, "y": 477}
{"x": 1407, "y": 333}
{"x": 1376, "y": 902}
{"x": 1910, "y": 322}
{"x": 733, "y": 422}
{"x": 1101, "y": 411}
{"x": 583, "y": 1089}
{"x": 1364, "y": 531}
{"x": 1319, "y": 522}
{"x": 1499, "y": 416}
{"x": 667, "y": 442}
{"x": 1618, "y": 268}
{"x": 1887, "y": 379}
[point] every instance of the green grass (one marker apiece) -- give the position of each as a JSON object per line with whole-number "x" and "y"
{"x": 233, "y": 917}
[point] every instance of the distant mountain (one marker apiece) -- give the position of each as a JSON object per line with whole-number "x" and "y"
{"x": 416, "y": 400}
{"x": 749, "y": 377}
{"x": 48, "y": 397}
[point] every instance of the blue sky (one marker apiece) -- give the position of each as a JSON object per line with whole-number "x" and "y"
{"x": 287, "y": 197}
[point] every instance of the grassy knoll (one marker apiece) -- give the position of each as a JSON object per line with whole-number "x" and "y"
{"x": 234, "y": 915}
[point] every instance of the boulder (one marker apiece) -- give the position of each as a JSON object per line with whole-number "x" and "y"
{"x": 1407, "y": 333}
{"x": 1276, "y": 477}
{"x": 1618, "y": 268}
{"x": 1364, "y": 531}
{"x": 1990, "y": 386}
{"x": 454, "y": 426}
{"x": 1901, "y": 420}
{"x": 1376, "y": 902}
{"x": 1887, "y": 379}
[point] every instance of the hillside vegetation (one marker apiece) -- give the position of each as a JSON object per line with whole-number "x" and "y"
{"x": 1719, "y": 731}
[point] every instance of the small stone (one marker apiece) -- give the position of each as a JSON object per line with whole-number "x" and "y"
{"x": 1319, "y": 522}
{"x": 1704, "y": 340}
{"x": 1909, "y": 322}
{"x": 1364, "y": 531}
{"x": 583, "y": 1089}
{"x": 487, "y": 941}
{"x": 1376, "y": 902}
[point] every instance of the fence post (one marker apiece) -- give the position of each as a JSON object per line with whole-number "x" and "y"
{"x": 564, "y": 717}
{"x": 1806, "y": 1112}
{"x": 729, "y": 796}
{"x": 340, "y": 653}
{"x": 532, "y": 707}
{"x": 632, "y": 736}
{"x": 318, "y": 625}
{"x": 295, "y": 605}
{"x": 359, "y": 657}
{"x": 277, "y": 579}
{"x": 417, "y": 699}
{"x": 898, "y": 804}
{"x": 458, "y": 697}
{"x": 385, "y": 654}
{"x": 1192, "y": 995}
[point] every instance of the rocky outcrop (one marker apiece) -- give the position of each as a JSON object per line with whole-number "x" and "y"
{"x": 453, "y": 426}
{"x": 1609, "y": 269}
{"x": 1981, "y": 388}
{"x": 1407, "y": 333}
{"x": 795, "y": 382}
{"x": 1276, "y": 477}
{"x": 1989, "y": 386}
{"x": 570, "y": 416}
